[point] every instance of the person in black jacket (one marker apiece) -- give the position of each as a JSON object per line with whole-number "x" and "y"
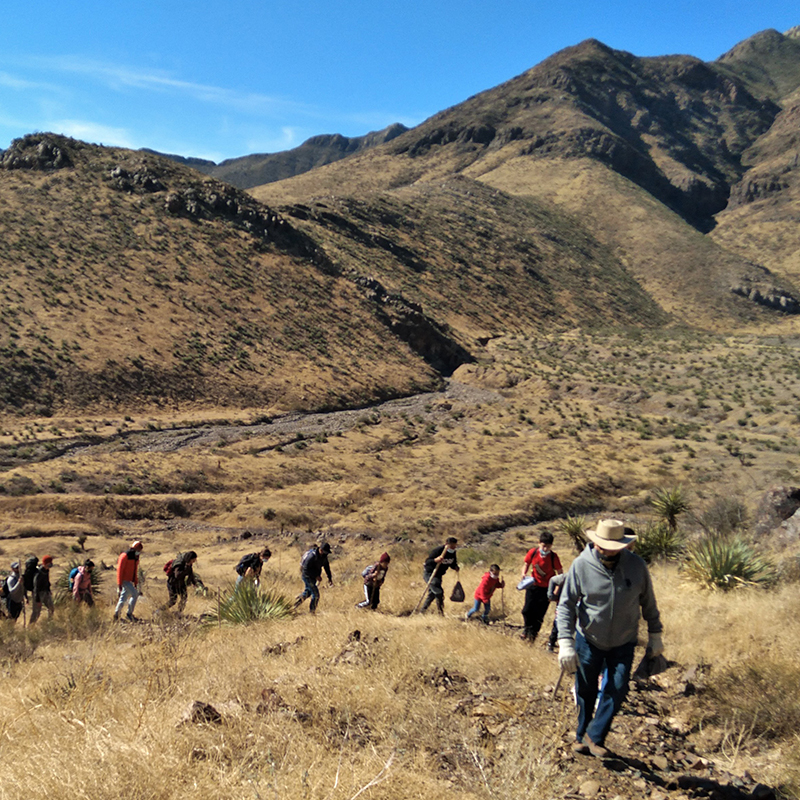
{"x": 439, "y": 560}
{"x": 312, "y": 565}
{"x": 42, "y": 596}
{"x": 249, "y": 566}
{"x": 179, "y": 576}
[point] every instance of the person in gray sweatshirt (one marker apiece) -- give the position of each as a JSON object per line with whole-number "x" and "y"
{"x": 15, "y": 597}
{"x": 606, "y": 591}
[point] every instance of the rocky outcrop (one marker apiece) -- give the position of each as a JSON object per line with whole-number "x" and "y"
{"x": 768, "y": 296}
{"x": 42, "y": 152}
{"x": 779, "y": 503}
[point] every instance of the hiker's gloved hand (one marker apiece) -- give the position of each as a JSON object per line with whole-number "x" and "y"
{"x": 655, "y": 645}
{"x": 567, "y": 658}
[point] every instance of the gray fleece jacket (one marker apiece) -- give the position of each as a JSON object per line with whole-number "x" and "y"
{"x": 605, "y": 605}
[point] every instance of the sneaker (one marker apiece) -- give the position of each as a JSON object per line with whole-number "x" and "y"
{"x": 131, "y": 618}
{"x": 597, "y": 750}
{"x": 116, "y": 617}
{"x": 551, "y": 648}
{"x": 579, "y": 748}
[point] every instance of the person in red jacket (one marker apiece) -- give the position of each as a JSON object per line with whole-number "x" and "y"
{"x": 543, "y": 564}
{"x": 128, "y": 580}
{"x": 483, "y": 594}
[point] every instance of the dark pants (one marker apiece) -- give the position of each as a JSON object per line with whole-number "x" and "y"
{"x": 177, "y": 594}
{"x": 14, "y": 609}
{"x": 615, "y": 665}
{"x": 533, "y": 611}
{"x": 553, "y": 636}
{"x": 311, "y": 590}
{"x": 435, "y": 592}
{"x": 373, "y": 597}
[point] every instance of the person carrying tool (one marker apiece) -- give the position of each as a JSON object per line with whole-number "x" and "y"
{"x": 483, "y": 594}
{"x": 606, "y": 589}
{"x": 439, "y": 560}
{"x": 543, "y": 564}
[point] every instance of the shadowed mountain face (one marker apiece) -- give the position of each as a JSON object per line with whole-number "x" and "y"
{"x": 259, "y": 168}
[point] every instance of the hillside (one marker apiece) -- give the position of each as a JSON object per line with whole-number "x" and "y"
{"x": 643, "y": 152}
{"x": 129, "y": 281}
{"x": 259, "y": 168}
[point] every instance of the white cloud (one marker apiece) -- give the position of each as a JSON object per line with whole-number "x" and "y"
{"x": 9, "y": 81}
{"x": 92, "y": 132}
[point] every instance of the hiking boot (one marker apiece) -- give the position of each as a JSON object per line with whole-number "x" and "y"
{"x": 579, "y": 748}
{"x": 131, "y": 618}
{"x": 597, "y": 750}
{"x": 116, "y": 617}
{"x": 551, "y": 648}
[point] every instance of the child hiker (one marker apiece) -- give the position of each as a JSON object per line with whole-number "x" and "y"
{"x": 374, "y": 576}
{"x": 483, "y": 594}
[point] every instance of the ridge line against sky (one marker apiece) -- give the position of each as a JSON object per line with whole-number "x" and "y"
{"x": 218, "y": 81}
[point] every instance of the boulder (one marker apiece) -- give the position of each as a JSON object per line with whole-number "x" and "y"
{"x": 778, "y": 503}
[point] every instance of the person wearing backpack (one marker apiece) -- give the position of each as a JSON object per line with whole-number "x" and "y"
{"x": 249, "y": 566}
{"x": 128, "y": 580}
{"x": 31, "y": 565}
{"x": 14, "y": 592}
{"x": 42, "y": 595}
{"x": 312, "y": 564}
{"x": 179, "y": 575}
{"x": 543, "y": 564}
{"x": 82, "y": 584}
{"x": 374, "y": 576}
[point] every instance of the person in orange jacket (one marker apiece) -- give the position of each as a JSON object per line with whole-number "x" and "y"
{"x": 128, "y": 580}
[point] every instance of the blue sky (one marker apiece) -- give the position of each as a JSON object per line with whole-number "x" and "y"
{"x": 224, "y": 79}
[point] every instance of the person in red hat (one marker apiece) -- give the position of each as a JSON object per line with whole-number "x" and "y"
{"x": 128, "y": 580}
{"x": 374, "y": 576}
{"x": 42, "y": 595}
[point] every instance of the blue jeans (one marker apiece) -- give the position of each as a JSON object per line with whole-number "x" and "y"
{"x": 311, "y": 591}
{"x": 128, "y": 593}
{"x": 487, "y": 608}
{"x": 615, "y": 666}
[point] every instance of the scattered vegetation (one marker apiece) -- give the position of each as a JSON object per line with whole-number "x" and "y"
{"x": 725, "y": 563}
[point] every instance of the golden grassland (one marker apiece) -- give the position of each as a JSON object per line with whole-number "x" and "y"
{"x": 93, "y": 708}
{"x": 576, "y": 423}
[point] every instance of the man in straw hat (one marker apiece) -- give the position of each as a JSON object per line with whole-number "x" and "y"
{"x": 598, "y": 622}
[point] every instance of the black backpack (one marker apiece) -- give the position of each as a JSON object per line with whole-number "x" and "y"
{"x": 249, "y": 561}
{"x": 4, "y": 588}
{"x": 30, "y": 573}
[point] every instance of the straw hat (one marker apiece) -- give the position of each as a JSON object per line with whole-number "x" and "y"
{"x": 610, "y": 535}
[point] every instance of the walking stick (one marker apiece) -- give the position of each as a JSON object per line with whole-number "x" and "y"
{"x": 427, "y": 586}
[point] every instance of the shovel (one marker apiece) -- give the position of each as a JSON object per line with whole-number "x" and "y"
{"x": 427, "y": 586}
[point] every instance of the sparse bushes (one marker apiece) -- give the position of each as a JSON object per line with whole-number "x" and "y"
{"x": 658, "y": 540}
{"x": 249, "y": 603}
{"x": 574, "y": 528}
{"x": 719, "y": 562}
{"x": 724, "y": 516}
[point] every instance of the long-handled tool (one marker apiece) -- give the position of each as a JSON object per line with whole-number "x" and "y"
{"x": 558, "y": 684}
{"x": 503, "y": 605}
{"x": 427, "y": 586}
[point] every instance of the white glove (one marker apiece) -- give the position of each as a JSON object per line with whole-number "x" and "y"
{"x": 567, "y": 658}
{"x": 655, "y": 646}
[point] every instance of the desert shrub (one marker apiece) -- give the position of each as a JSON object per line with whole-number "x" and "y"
{"x": 246, "y": 603}
{"x": 657, "y": 541}
{"x": 669, "y": 504}
{"x": 724, "y": 515}
{"x": 574, "y": 528}
{"x": 720, "y": 562}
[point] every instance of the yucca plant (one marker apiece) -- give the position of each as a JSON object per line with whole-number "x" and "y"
{"x": 574, "y": 528}
{"x": 718, "y": 562}
{"x": 245, "y": 603}
{"x": 669, "y": 504}
{"x": 659, "y": 541}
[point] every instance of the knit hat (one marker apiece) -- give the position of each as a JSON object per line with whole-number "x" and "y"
{"x": 385, "y": 557}
{"x": 47, "y": 560}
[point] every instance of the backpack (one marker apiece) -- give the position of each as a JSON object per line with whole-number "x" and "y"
{"x": 72, "y": 575}
{"x": 245, "y": 562}
{"x": 366, "y": 571}
{"x": 4, "y": 588}
{"x": 169, "y": 567}
{"x": 30, "y": 573}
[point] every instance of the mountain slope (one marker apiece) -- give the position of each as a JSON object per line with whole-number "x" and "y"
{"x": 642, "y": 152}
{"x": 259, "y": 168}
